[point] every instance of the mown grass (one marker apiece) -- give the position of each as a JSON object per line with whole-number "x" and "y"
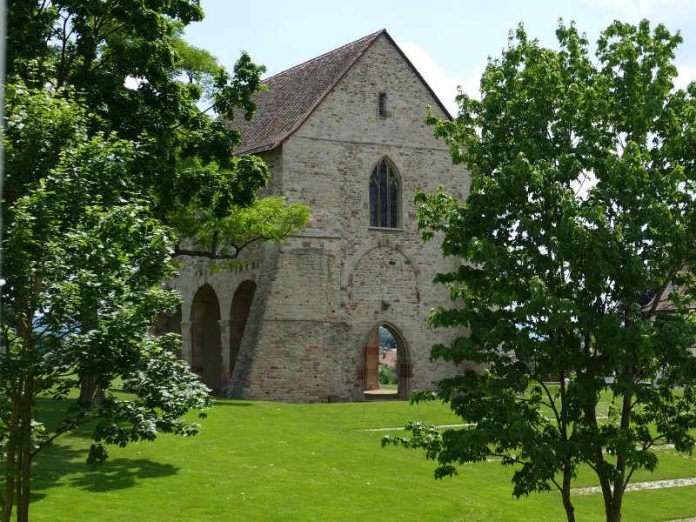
{"x": 272, "y": 461}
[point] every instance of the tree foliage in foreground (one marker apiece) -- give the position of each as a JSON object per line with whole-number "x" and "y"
{"x": 128, "y": 65}
{"x": 83, "y": 263}
{"x": 110, "y": 166}
{"x": 581, "y": 216}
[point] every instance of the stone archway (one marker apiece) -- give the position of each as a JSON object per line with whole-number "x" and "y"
{"x": 239, "y": 313}
{"x": 206, "y": 358}
{"x": 385, "y": 347}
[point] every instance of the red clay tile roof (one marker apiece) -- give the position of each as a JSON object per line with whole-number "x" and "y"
{"x": 291, "y": 96}
{"x": 664, "y": 301}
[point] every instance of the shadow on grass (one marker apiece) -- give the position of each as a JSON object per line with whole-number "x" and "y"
{"x": 59, "y": 465}
{"x": 120, "y": 474}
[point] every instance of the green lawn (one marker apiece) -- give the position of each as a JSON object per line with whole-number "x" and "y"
{"x": 272, "y": 461}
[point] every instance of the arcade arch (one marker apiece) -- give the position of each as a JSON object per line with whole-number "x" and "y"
{"x": 206, "y": 358}
{"x": 239, "y": 313}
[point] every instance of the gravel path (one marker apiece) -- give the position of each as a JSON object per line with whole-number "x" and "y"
{"x": 638, "y": 486}
{"x": 401, "y": 428}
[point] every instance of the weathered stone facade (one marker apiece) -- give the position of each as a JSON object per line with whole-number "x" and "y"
{"x": 313, "y": 301}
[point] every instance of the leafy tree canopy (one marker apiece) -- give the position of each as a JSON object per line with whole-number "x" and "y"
{"x": 575, "y": 241}
{"x": 110, "y": 164}
{"x": 82, "y": 269}
{"x": 128, "y": 64}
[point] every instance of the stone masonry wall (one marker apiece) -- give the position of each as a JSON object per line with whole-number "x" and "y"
{"x": 337, "y": 279}
{"x": 253, "y": 264}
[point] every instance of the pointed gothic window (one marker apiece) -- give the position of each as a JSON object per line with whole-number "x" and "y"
{"x": 385, "y": 196}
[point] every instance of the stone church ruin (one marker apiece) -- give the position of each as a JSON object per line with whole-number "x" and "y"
{"x": 344, "y": 134}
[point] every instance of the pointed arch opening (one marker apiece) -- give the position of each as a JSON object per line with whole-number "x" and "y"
{"x": 206, "y": 353}
{"x": 239, "y": 313}
{"x": 386, "y": 364}
{"x": 385, "y": 195}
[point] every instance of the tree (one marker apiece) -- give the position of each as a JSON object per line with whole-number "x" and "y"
{"x": 103, "y": 183}
{"x": 99, "y": 51}
{"x": 82, "y": 272}
{"x": 574, "y": 242}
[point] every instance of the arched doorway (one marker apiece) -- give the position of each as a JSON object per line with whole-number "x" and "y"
{"x": 387, "y": 367}
{"x": 206, "y": 358}
{"x": 239, "y": 313}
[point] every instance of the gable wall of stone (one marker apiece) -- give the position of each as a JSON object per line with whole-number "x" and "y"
{"x": 339, "y": 272}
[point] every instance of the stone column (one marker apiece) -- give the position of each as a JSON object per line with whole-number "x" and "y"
{"x": 186, "y": 341}
{"x": 225, "y": 353}
{"x": 236, "y": 332}
{"x": 405, "y": 372}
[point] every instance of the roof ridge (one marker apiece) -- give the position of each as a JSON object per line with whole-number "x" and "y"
{"x": 364, "y": 39}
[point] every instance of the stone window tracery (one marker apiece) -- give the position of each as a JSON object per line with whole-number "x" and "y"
{"x": 385, "y": 196}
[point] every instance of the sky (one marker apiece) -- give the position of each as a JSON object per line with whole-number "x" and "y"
{"x": 448, "y": 41}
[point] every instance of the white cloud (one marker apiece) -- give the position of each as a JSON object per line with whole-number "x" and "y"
{"x": 471, "y": 84}
{"x": 445, "y": 84}
{"x": 687, "y": 74}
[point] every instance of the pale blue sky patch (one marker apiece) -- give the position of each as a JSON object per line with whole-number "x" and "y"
{"x": 449, "y": 41}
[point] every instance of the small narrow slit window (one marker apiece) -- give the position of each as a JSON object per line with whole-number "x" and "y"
{"x": 382, "y": 105}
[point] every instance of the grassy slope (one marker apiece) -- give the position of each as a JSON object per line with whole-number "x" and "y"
{"x": 270, "y": 461}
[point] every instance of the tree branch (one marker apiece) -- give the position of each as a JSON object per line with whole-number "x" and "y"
{"x": 247, "y": 243}
{"x": 203, "y": 253}
{"x": 213, "y": 253}
{"x": 64, "y": 44}
{"x": 558, "y": 486}
{"x": 551, "y": 401}
{"x": 628, "y": 477}
{"x": 60, "y": 431}
{"x": 590, "y": 464}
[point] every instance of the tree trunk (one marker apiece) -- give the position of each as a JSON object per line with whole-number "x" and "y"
{"x": 18, "y": 424}
{"x": 607, "y": 495}
{"x": 614, "y": 511}
{"x": 11, "y": 462}
{"x": 9, "y": 492}
{"x": 24, "y": 486}
{"x": 568, "y": 505}
{"x": 565, "y": 492}
{"x": 567, "y": 463}
{"x": 90, "y": 391}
